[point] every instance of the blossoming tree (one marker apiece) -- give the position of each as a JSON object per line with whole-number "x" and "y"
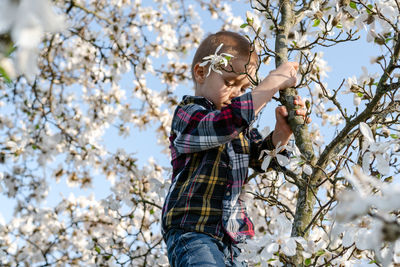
{"x": 72, "y": 70}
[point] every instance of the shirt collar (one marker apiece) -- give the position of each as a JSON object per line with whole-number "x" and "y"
{"x": 200, "y": 100}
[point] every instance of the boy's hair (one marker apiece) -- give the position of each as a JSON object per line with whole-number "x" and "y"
{"x": 234, "y": 44}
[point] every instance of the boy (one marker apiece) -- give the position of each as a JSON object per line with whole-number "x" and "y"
{"x": 212, "y": 147}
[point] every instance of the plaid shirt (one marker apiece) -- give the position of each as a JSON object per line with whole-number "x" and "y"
{"x": 211, "y": 151}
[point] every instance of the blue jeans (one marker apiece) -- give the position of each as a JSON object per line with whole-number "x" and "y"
{"x": 197, "y": 249}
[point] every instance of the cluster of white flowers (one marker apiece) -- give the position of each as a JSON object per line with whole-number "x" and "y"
{"x": 116, "y": 70}
{"x": 366, "y": 216}
{"x": 276, "y": 240}
{"x": 376, "y": 150}
{"x": 27, "y": 22}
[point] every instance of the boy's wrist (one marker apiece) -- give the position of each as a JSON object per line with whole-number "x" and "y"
{"x": 279, "y": 137}
{"x": 261, "y": 95}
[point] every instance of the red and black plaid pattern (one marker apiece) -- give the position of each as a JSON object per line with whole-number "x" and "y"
{"x": 211, "y": 151}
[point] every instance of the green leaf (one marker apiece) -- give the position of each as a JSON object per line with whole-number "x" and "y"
{"x": 388, "y": 179}
{"x": 372, "y": 262}
{"x": 250, "y": 21}
{"x": 4, "y": 74}
{"x": 270, "y": 260}
{"x": 339, "y": 26}
{"x": 388, "y": 39}
{"x": 307, "y": 262}
{"x": 244, "y": 25}
{"x": 152, "y": 211}
{"x": 359, "y": 94}
{"x": 369, "y": 8}
{"x": 308, "y": 104}
{"x": 320, "y": 252}
{"x": 316, "y": 22}
{"x": 228, "y": 58}
{"x": 34, "y": 146}
{"x": 10, "y": 50}
{"x": 98, "y": 250}
{"x": 353, "y": 5}
{"x": 394, "y": 136}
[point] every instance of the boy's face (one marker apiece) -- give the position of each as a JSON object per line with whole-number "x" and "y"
{"x": 220, "y": 89}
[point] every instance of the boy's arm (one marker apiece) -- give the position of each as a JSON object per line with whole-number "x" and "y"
{"x": 281, "y": 78}
{"x": 196, "y": 128}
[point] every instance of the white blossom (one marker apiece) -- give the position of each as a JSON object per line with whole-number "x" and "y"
{"x": 270, "y": 154}
{"x": 28, "y": 21}
{"x": 216, "y": 61}
{"x": 377, "y": 149}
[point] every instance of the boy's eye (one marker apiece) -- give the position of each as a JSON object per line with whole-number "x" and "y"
{"x": 229, "y": 83}
{"x": 245, "y": 88}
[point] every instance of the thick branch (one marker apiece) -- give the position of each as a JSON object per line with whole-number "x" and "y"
{"x": 307, "y": 189}
{"x": 300, "y": 129}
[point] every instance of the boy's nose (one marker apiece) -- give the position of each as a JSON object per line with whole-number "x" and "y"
{"x": 235, "y": 92}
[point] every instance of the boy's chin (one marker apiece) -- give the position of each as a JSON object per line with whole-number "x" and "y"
{"x": 225, "y": 104}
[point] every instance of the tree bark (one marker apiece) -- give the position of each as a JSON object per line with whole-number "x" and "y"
{"x": 307, "y": 187}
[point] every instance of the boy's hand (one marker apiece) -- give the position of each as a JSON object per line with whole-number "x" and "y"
{"x": 282, "y": 132}
{"x": 283, "y": 77}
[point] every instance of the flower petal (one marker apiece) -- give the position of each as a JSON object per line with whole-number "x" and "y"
{"x": 366, "y": 131}
{"x": 282, "y": 160}
{"x": 382, "y": 164}
{"x": 289, "y": 249}
{"x": 218, "y": 48}
{"x": 307, "y": 169}
{"x": 202, "y": 64}
{"x": 262, "y": 153}
{"x": 266, "y": 162}
{"x": 217, "y": 70}
{"x": 366, "y": 160}
{"x": 272, "y": 248}
{"x": 209, "y": 71}
{"x": 227, "y": 55}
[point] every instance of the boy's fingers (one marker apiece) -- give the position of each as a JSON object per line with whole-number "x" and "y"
{"x": 298, "y": 101}
{"x": 301, "y": 112}
{"x": 282, "y": 111}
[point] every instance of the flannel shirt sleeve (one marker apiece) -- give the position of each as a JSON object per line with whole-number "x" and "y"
{"x": 257, "y": 144}
{"x": 198, "y": 128}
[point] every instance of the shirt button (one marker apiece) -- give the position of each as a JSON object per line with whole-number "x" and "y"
{"x": 225, "y": 218}
{"x": 228, "y": 193}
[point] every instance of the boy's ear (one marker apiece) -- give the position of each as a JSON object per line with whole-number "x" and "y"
{"x": 199, "y": 73}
